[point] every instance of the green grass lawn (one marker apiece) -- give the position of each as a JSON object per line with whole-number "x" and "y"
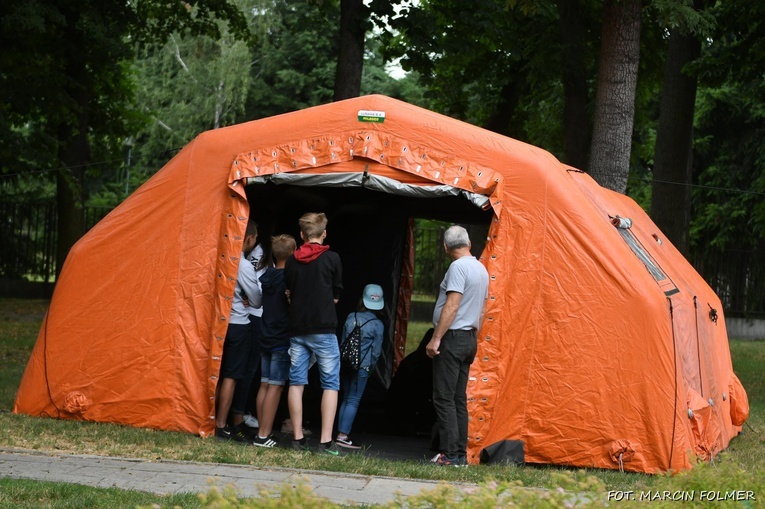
{"x": 414, "y": 334}
{"x": 19, "y": 325}
{"x": 23, "y": 494}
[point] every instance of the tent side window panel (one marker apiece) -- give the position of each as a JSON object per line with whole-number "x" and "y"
{"x": 650, "y": 264}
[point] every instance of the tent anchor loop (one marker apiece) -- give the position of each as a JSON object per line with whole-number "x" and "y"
{"x": 365, "y": 176}
{"x": 621, "y": 463}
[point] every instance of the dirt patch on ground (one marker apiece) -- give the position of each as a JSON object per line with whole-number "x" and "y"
{"x": 23, "y": 310}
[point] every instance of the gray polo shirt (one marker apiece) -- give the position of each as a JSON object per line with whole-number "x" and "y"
{"x": 467, "y": 276}
{"x": 246, "y": 286}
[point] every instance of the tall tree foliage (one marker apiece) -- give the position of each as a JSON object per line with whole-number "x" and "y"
{"x": 65, "y": 78}
{"x": 64, "y": 61}
{"x": 187, "y": 85}
{"x": 375, "y": 78}
{"x": 189, "y": 82}
{"x": 294, "y": 62}
{"x": 519, "y": 67}
{"x": 479, "y": 60}
{"x": 730, "y": 128}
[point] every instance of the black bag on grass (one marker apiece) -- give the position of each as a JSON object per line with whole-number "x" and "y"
{"x": 507, "y": 452}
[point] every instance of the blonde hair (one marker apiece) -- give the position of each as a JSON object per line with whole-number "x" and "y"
{"x": 282, "y": 246}
{"x": 313, "y": 224}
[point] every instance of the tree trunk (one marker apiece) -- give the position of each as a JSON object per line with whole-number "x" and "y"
{"x": 69, "y": 196}
{"x": 671, "y": 191}
{"x": 499, "y": 121}
{"x": 350, "y": 58}
{"x": 615, "y": 100}
{"x": 74, "y": 155}
{"x": 574, "y": 77}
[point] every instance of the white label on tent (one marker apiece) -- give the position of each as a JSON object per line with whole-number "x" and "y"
{"x": 371, "y": 116}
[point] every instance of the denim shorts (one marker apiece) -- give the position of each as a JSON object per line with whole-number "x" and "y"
{"x": 275, "y": 367}
{"x": 327, "y": 352}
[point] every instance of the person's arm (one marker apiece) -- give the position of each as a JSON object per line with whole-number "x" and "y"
{"x": 378, "y": 331}
{"x": 448, "y": 314}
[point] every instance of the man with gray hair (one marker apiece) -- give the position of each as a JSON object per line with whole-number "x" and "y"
{"x": 457, "y": 316}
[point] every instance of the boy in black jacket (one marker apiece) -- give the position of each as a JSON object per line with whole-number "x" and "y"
{"x": 275, "y": 366}
{"x": 314, "y": 281}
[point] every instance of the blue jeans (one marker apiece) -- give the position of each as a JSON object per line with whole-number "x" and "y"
{"x": 275, "y": 367}
{"x": 450, "y": 376}
{"x": 327, "y": 352}
{"x": 352, "y": 385}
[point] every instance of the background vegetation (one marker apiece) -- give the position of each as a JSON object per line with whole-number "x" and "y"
{"x": 99, "y": 95}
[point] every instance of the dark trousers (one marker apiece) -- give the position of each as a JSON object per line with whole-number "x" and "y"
{"x": 450, "y": 376}
{"x": 240, "y": 403}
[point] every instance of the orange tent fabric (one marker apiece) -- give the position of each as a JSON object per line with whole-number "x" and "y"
{"x": 585, "y": 354}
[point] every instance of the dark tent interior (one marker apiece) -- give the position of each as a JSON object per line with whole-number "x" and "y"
{"x": 368, "y": 229}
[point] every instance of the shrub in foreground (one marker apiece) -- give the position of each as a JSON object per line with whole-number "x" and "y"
{"x": 711, "y": 485}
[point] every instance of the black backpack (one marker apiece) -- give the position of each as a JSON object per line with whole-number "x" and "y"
{"x": 350, "y": 348}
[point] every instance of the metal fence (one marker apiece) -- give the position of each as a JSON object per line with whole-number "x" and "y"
{"x": 738, "y": 278}
{"x": 29, "y": 234}
{"x": 430, "y": 261}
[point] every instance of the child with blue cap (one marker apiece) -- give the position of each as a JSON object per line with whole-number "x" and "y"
{"x": 368, "y": 315}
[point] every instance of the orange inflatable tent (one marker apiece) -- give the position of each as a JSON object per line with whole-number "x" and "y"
{"x": 601, "y": 346}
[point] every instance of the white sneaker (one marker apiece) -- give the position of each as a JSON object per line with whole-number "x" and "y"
{"x": 346, "y": 443}
{"x": 267, "y": 442}
{"x": 251, "y": 421}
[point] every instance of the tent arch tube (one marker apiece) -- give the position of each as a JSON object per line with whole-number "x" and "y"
{"x": 387, "y": 150}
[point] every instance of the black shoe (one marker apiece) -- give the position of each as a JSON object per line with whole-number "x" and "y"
{"x": 241, "y": 433}
{"x": 250, "y": 433}
{"x": 300, "y": 445}
{"x": 329, "y": 449}
{"x": 224, "y": 433}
